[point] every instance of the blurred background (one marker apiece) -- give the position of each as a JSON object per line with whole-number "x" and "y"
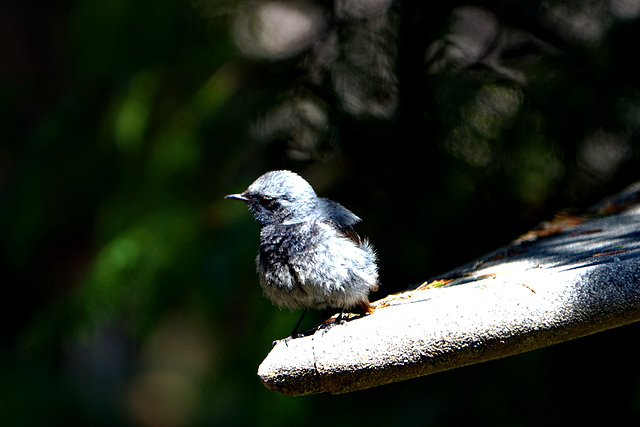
{"x": 450, "y": 128}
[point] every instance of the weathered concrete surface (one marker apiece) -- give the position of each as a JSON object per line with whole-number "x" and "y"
{"x": 573, "y": 276}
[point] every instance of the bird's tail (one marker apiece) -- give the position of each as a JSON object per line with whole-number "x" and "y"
{"x": 366, "y": 307}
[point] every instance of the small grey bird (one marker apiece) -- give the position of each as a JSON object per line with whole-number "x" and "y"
{"x": 310, "y": 256}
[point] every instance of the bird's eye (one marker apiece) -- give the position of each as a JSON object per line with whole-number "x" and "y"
{"x": 268, "y": 202}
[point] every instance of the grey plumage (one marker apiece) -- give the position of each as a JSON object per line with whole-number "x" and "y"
{"x": 310, "y": 256}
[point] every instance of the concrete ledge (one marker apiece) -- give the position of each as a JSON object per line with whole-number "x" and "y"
{"x": 570, "y": 277}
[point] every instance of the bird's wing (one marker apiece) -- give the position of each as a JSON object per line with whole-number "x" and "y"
{"x": 342, "y": 218}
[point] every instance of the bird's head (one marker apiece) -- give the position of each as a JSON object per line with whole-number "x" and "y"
{"x": 279, "y": 197}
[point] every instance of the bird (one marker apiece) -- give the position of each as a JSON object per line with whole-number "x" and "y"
{"x": 310, "y": 256}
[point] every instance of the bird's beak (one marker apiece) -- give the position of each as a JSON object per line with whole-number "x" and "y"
{"x": 240, "y": 196}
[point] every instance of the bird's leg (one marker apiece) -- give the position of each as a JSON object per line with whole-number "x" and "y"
{"x": 294, "y": 333}
{"x": 340, "y": 318}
